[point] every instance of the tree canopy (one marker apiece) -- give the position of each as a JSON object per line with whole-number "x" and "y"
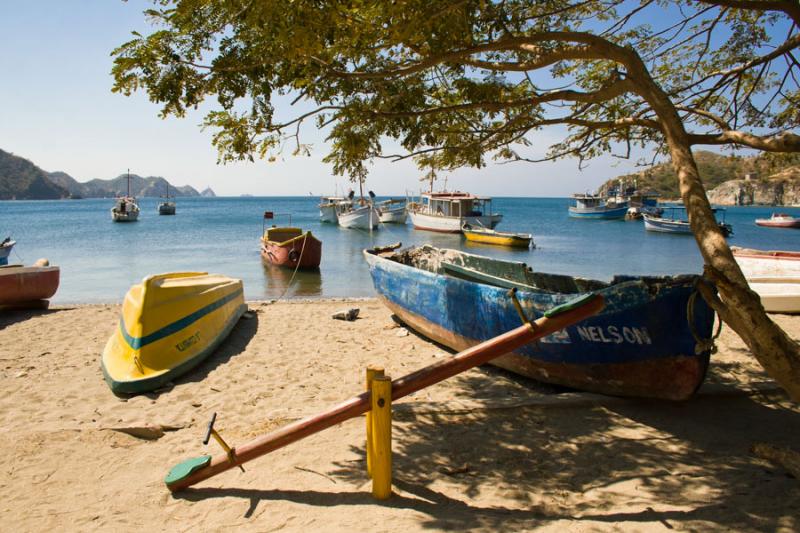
{"x": 459, "y": 81}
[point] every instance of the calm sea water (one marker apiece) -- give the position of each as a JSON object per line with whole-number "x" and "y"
{"x": 100, "y": 259}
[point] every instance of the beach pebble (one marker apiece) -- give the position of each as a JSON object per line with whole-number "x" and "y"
{"x": 348, "y": 314}
{"x": 402, "y": 332}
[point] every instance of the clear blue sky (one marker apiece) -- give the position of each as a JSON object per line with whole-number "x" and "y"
{"x": 59, "y": 112}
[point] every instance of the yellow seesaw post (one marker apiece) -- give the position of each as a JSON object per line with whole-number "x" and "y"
{"x": 381, "y": 409}
{"x": 372, "y": 372}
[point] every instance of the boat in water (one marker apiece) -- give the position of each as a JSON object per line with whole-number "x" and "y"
{"x": 358, "y": 214}
{"x": 5, "y": 250}
{"x": 779, "y": 220}
{"x": 597, "y": 207}
{"x": 672, "y": 223}
{"x": 498, "y": 238}
{"x": 125, "y": 207}
{"x": 447, "y": 212}
{"x": 169, "y": 324}
{"x": 651, "y": 340}
{"x": 289, "y": 246}
{"x": 167, "y": 206}
{"x": 392, "y": 211}
{"x": 31, "y": 286}
{"x": 327, "y": 208}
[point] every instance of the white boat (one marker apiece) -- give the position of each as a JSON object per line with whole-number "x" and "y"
{"x": 447, "y": 212}
{"x": 778, "y": 295}
{"x": 352, "y": 216}
{"x": 327, "y": 208}
{"x": 596, "y": 207}
{"x": 125, "y": 207}
{"x": 767, "y": 263}
{"x": 779, "y": 220}
{"x": 673, "y": 224}
{"x": 392, "y": 211}
{"x": 5, "y": 250}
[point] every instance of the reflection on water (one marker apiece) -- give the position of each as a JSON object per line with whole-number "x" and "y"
{"x": 284, "y": 282}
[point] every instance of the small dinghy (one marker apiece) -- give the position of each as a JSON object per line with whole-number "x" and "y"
{"x": 32, "y": 286}
{"x": 499, "y": 238}
{"x": 169, "y": 324}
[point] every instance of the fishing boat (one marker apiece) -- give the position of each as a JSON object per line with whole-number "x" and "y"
{"x": 779, "y": 220}
{"x": 358, "y": 214}
{"x": 392, "y": 211}
{"x": 289, "y": 246}
{"x": 597, "y": 207}
{"x": 778, "y": 295}
{"x": 327, "y": 208}
{"x": 499, "y": 238}
{"x": 167, "y": 207}
{"x": 651, "y": 340}
{"x": 447, "y": 212}
{"x": 28, "y": 286}
{"x": 125, "y": 207}
{"x": 672, "y": 223}
{"x": 5, "y": 250}
{"x": 169, "y": 324}
{"x": 767, "y": 263}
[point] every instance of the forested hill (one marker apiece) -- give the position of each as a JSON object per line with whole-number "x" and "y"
{"x": 20, "y": 179}
{"x": 714, "y": 169}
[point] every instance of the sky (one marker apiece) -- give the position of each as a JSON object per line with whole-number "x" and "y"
{"x": 58, "y": 111}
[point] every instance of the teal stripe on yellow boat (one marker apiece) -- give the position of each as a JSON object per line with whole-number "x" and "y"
{"x": 138, "y": 342}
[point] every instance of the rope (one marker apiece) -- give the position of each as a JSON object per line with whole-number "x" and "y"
{"x": 296, "y": 268}
{"x": 701, "y": 345}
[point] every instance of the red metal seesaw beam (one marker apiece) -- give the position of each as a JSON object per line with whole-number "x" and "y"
{"x": 358, "y": 405}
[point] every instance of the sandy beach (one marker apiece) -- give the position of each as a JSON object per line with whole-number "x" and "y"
{"x": 484, "y": 451}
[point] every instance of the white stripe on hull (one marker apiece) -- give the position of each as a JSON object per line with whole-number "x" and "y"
{"x": 452, "y": 224}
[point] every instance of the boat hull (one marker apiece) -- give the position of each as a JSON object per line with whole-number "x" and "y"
{"x": 513, "y": 240}
{"x": 778, "y": 295}
{"x": 771, "y": 223}
{"x": 5, "y": 251}
{"x": 166, "y": 209}
{"x": 602, "y": 213}
{"x": 360, "y": 218}
{"x": 640, "y": 345}
{"x": 666, "y": 226}
{"x": 21, "y": 285}
{"x": 327, "y": 214}
{"x": 304, "y": 251}
{"x": 169, "y": 324}
{"x": 445, "y": 224}
{"x": 767, "y": 264}
{"x": 395, "y": 215}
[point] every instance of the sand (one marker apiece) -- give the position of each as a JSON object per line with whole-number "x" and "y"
{"x": 485, "y": 451}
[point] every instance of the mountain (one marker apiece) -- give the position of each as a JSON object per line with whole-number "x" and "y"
{"x": 208, "y": 193}
{"x": 715, "y": 169}
{"x": 22, "y": 180}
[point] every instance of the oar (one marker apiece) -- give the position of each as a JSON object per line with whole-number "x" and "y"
{"x": 195, "y": 470}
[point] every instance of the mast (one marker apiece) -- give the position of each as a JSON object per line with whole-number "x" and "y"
{"x": 129, "y": 183}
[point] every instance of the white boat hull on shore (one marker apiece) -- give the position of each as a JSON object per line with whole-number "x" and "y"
{"x": 366, "y": 217}
{"x": 778, "y": 295}
{"x": 767, "y": 264}
{"x": 451, "y": 224}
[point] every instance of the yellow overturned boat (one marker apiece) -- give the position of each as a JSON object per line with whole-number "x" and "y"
{"x": 499, "y": 238}
{"x": 169, "y": 324}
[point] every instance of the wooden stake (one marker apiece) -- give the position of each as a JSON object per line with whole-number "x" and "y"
{"x": 373, "y": 371}
{"x": 381, "y": 403}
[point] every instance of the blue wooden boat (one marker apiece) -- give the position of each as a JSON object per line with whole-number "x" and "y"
{"x": 591, "y": 206}
{"x": 647, "y": 341}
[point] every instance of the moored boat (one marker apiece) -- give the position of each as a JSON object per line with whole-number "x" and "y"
{"x": 779, "y": 220}
{"x": 499, "y": 238}
{"x": 167, "y": 207}
{"x": 597, "y": 207}
{"x": 650, "y": 340}
{"x": 125, "y": 207}
{"x": 447, "y": 212}
{"x": 169, "y": 324}
{"x": 5, "y": 250}
{"x": 392, "y": 211}
{"x": 290, "y": 247}
{"x": 767, "y": 263}
{"x": 33, "y": 285}
{"x": 674, "y": 224}
{"x": 327, "y": 208}
{"x": 359, "y": 215}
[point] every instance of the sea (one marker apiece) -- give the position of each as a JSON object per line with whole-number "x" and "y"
{"x": 100, "y": 259}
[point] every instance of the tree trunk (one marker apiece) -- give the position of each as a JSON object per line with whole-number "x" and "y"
{"x": 737, "y": 305}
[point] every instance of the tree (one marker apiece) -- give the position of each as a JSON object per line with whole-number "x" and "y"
{"x": 457, "y": 81}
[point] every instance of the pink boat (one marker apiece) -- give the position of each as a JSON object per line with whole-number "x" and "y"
{"x": 26, "y": 286}
{"x": 779, "y": 220}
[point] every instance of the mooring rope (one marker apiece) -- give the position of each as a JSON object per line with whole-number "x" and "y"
{"x": 701, "y": 344}
{"x": 296, "y": 268}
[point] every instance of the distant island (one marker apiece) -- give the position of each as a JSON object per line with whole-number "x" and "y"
{"x": 20, "y": 179}
{"x": 765, "y": 179}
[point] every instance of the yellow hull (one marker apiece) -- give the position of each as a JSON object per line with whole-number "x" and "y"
{"x": 169, "y": 324}
{"x": 498, "y": 238}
